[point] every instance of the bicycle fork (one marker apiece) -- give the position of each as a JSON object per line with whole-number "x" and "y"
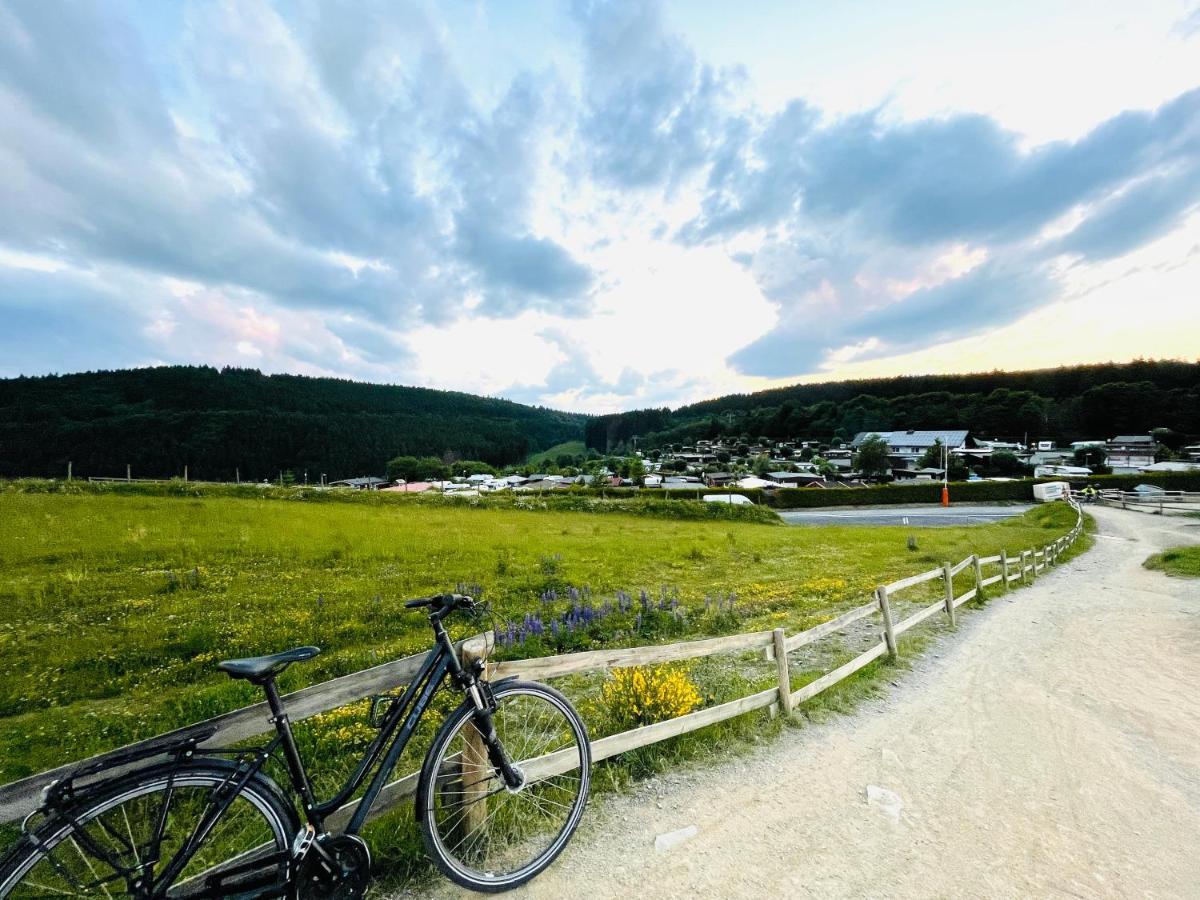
{"x": 485, "y": 704}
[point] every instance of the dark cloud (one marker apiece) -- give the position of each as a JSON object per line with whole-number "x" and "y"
{"x": 291, "y": 166}
{"x": 962, "y": 177}
{"x": 74, "y": 322}
{"x": 653, "y": 111}
{"x": 988, "y": 296}
{"x": 371, "y": 342}
{"x": 1145, "y": 211}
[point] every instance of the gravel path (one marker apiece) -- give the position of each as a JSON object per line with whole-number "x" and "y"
{"x": 1049, "y": 749}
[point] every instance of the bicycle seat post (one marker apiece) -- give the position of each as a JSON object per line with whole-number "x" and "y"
{"x": 291, "y": 753}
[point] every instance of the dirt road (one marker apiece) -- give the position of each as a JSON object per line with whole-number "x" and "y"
{"x": 1051, "y": 748}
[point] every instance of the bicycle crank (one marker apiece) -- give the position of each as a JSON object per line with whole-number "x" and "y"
{"x": 337, "y": 868}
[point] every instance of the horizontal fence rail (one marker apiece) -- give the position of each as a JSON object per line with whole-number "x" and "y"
{"x": 1154, "y": 502}
{"x": 21, "y": 797}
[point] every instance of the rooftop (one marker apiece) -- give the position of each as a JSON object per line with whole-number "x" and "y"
{"x": 948, "y": 437}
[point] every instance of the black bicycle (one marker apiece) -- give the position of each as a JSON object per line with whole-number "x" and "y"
{"x": 501, "y": 791}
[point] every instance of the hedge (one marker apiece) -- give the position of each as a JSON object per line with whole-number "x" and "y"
{"x": 1020, "y": 490}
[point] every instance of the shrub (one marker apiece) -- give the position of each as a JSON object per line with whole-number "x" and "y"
{"x": 644, "y": 695}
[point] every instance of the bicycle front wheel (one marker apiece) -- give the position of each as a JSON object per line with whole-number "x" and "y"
{"x": 128, "y": 838}
{"x": 482, "y": 834}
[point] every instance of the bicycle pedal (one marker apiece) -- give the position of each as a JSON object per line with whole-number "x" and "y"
{"x": 303, "y": 842}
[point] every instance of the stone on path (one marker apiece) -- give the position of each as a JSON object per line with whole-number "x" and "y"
{"x": 887, "y": 802}
{"x": 673, "y": 839}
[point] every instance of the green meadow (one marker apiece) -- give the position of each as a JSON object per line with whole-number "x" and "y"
{"x": 115, "y": 608}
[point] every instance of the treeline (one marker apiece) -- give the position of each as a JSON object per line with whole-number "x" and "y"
{"x": 224, "y": 422}
{"x": 1064, "y": 404}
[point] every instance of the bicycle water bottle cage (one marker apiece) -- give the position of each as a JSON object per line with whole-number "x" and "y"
{"x": 381, "y": 705}
{"x": 67, "y": 790}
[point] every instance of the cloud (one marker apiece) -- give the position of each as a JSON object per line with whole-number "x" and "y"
{"x": 989, "y": 295}
{"x": 1188, "y": 26}
{"x": 652, "y": 110}
{"x": 962, "y": 177}
{"x": 267, "y": 176}
{"x": 854, "y": 210}
{"x": 75, "y": 321}
{"x": 1147, "y": 210}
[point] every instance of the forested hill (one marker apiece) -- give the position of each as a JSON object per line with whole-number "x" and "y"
{"x": 1068, "y": 403}
{"x": 218, "y": 422}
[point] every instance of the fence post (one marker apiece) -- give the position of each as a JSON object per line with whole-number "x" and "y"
{"x": 949, "y": 594}
{"x": 785, "y": 677}
{"x": 475, "y": 789}
{"x": 1023, "y": 579}
{"x": 1004, "y": 569}
{"x": 886, "y": 609}
{"x": 978, "y": 576}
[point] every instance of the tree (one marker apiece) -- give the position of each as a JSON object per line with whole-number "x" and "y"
{"x": 1006, "y": 463}
{"x": 762, "y": 465}
{"x": 723, "y": 456}
{"x": 1093, "y": 457}
{"x": 807, "y": 453}
{"x": 636, "y": 470}
{"x": 932, "y": 457}
{"x": 402, "y": 468}
{"x": 872, "y": 456}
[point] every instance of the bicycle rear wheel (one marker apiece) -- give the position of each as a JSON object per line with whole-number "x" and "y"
{"x": 121, "y": 841}
{"x": 481, "y": 834}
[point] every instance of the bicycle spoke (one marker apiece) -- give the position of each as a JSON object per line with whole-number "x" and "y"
{"x": 495, "y": 833}
{"x": 110, "y": 851}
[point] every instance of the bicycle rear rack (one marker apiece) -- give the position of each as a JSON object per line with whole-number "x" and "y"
{"x": 67, "y": 790}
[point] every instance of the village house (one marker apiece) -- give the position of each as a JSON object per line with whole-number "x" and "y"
{"x": 365, "y": 483}
{"x": 905, "y": 448}
{"x": 1130, "y": 453}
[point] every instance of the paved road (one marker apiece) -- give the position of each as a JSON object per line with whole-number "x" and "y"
{"x": 1050, "y": 748}
{"x": 955, "y": 514}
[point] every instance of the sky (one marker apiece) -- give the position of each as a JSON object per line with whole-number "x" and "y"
{"x": 598, "y": 206}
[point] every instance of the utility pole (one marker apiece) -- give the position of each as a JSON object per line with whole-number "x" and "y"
{"x": 237, "y": 475}
{"x": 128, "y": 472}
{"x": 68, "y": 471}
{"x": 185, "y": 474}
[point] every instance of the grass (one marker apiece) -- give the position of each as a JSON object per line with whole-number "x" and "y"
{"x": 1182, "y": 562}
{"x": 116, "y": 606}
{"x": 551, "y": 454}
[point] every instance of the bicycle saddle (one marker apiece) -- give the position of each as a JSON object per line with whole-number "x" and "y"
{"x": 258, "y": 669}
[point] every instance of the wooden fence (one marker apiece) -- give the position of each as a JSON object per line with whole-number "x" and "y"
{"x": 1158, "y": 502}
{"x": 21, "y": 797}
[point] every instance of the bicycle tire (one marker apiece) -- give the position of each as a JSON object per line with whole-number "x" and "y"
{"x": 36, "y": 847}
{"x": 576, "y": 762}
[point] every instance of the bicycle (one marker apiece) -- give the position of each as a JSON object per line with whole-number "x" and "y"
{"x": 500, "y": 793}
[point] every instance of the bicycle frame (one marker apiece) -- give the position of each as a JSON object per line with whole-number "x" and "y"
{"x": 395, "y": 731}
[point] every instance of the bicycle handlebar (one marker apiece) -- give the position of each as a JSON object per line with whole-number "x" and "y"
{"x": 444, "y": 603}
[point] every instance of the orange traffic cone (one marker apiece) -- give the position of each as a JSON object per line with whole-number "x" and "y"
{"x": 945, "y": 495}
